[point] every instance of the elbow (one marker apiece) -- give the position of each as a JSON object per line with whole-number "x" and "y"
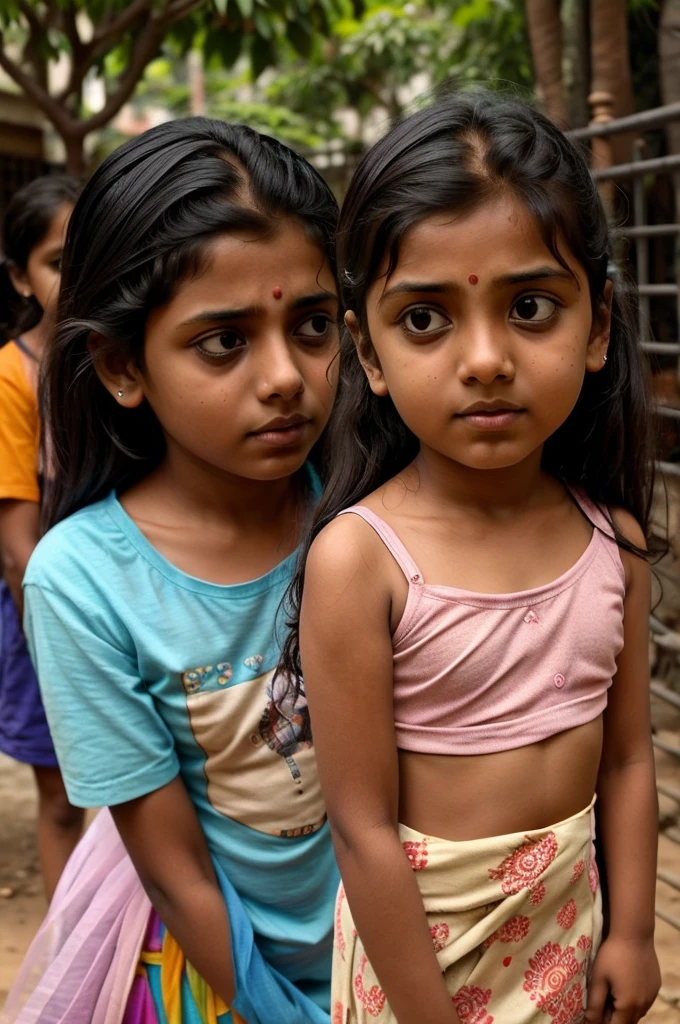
{"x": 170, "y": 897}
{"x": 353, "y": 840}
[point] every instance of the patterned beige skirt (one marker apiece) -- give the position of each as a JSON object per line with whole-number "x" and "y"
{"x": 515, "y": 922}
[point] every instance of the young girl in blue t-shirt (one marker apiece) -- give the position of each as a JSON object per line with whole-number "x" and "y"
{"x": 474, "y": 626}
{"x": 191, "y": 376}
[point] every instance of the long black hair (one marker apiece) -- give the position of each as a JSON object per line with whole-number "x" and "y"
{"x": 139, "y": 228}
{"x": 454, "y": 156}
{"x": 26, "y": 221}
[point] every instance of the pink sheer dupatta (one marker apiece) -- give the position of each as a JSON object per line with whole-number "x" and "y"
{"x": 81, "y": 965}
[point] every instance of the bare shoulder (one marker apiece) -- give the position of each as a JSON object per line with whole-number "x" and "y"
{"x": 635, "y": 567}
{"x": 347, "y": 553}
{"x": 628, "y": 527}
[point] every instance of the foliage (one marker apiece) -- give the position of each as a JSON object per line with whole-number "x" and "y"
{"x": 117, "y": 39}
{"x": 165, "y": 85}
{"x": 374, "y": 60}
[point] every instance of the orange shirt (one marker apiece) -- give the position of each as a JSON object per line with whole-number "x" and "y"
{"x": 19, "y": 429}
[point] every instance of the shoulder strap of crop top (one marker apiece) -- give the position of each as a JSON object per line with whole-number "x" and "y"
{"x": 389, "y": 539}
{"x": 595, "y": 513}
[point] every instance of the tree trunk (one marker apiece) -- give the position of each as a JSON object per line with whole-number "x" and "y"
{"x": 669, "y": 60}
{"x": 610, "y": 63}
{"x": 545, "y": 36}
{"x": 669, "y": 55}
{"x": 75, "y": 155}
{"x": 576, "y": 60}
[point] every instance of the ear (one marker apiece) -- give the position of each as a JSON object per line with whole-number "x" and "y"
{"x": 121, "y": 378}
{"x": 367, "y": 355}
{"x": 19, "y": 279}
{"x": 598, "y": 343}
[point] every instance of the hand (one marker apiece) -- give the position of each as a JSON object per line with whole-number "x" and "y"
{"x": 624, "y": 982}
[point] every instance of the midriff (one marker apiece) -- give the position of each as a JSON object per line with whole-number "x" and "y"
{"x": 475, "y": 796}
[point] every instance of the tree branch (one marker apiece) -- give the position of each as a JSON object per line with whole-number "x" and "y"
{"x": 80, "y": 54}
{"x": 146, "y": 47}
{"x": 180, "y": 8}
{"x": 70, "y": 26}
{"x": 31, "y": 50}
{"x": 114, "y": 27}
{"x": 50, "y": 106}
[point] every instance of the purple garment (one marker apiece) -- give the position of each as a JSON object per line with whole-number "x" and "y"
{"x": 24, "y": 733}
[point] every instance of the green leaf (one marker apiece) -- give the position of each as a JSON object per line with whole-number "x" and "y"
{"x": 221, "y": 6}
{"x": 300, "y": 38}
{"x": 262, "y": 55}
{"x": 222, "y": 48}
{"x": 263, "y": 24}
{"x": 245, "y": 7}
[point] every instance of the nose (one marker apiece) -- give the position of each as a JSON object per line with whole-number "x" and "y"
{"x": 278, "y": 373}
{"x": 485, "y": 355}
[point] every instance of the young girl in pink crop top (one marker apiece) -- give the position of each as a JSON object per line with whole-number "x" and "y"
{"x": 473, "y": 628}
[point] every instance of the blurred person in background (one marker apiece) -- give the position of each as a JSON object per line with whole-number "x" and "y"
{"x": 33, "y": 233}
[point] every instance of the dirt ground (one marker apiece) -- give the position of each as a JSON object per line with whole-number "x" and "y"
{"x": 22, "y": 903}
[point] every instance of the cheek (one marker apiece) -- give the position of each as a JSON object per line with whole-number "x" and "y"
{"x": 320, "y": 373}
{"x": 45, "y": 283}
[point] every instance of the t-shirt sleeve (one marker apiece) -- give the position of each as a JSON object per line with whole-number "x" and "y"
{"x": 19, "y": 440}
{"x": 111, "y": 742}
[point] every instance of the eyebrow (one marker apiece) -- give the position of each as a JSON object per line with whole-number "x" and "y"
{"x": 314, "y": 300}
{"x": 244, "y": 312}
{"x": 443, "y": 288}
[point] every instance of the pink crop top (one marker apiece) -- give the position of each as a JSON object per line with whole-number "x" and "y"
{"x": 479, "y": 673}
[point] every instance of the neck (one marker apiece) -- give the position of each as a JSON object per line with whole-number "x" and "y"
{"x": 35, "y": 340}
{"x": 200, "y": 492}
{"x": 488, "y": 491}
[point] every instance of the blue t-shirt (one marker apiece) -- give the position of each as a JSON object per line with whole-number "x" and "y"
{"x": 147, "y": 673}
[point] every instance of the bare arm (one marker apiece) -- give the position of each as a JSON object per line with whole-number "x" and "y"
{"x": 627, "y": 968}
{"x": 19, "y": 534}
{"x": 162, "y": 834}
{"x": 347, "y": 664}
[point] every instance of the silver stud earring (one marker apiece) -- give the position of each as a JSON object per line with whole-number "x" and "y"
{"x": 604, "y": 358}
{"x": 120, "y": 393}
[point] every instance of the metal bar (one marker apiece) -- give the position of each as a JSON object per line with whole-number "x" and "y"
{"x": 671, "y": 880}
{"x": 641, "y": 247}
{"x": 667, "y": 410}
{"x": 663, "y": 693}
{"x": 654, "y": 118}
{"x": 653, "y": 166}
{"x": 674, "y": 922}
{"x": 667, "y": 748}
{"x": 646, "y": 230}
{"x": 672, "y": 794}
{"x": 660, "y": 348}
{"x": 658, "y": 289}
{"x": 670, "y": 468}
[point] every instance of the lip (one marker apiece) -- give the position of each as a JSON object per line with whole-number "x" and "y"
{"x": 283, "y": 431}
{"x": 495, "y": 405}
{"x": 494, "y": 415}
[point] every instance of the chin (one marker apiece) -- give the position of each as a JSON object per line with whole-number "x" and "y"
{"x": 491, "y": 460}
{"x": 272, "y": 469}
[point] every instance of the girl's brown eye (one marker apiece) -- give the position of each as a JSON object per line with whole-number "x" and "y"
{"x": 314, "y": 327}
{"x": 221, "y": 344}
{"x": 534, "y": 309}
{"x": 424, "y": 320}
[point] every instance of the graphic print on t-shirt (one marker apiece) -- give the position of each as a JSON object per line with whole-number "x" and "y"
{"x": 256, "y": 739}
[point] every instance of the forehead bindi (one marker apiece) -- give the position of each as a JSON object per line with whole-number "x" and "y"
{"x": 478, "y": 249}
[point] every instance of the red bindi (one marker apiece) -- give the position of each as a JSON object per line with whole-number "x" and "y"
{"x": 473, "y": 279}
{"x": 276, "y": 292}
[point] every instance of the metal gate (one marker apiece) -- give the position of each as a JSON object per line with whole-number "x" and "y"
{"x": 640, "y": 175}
